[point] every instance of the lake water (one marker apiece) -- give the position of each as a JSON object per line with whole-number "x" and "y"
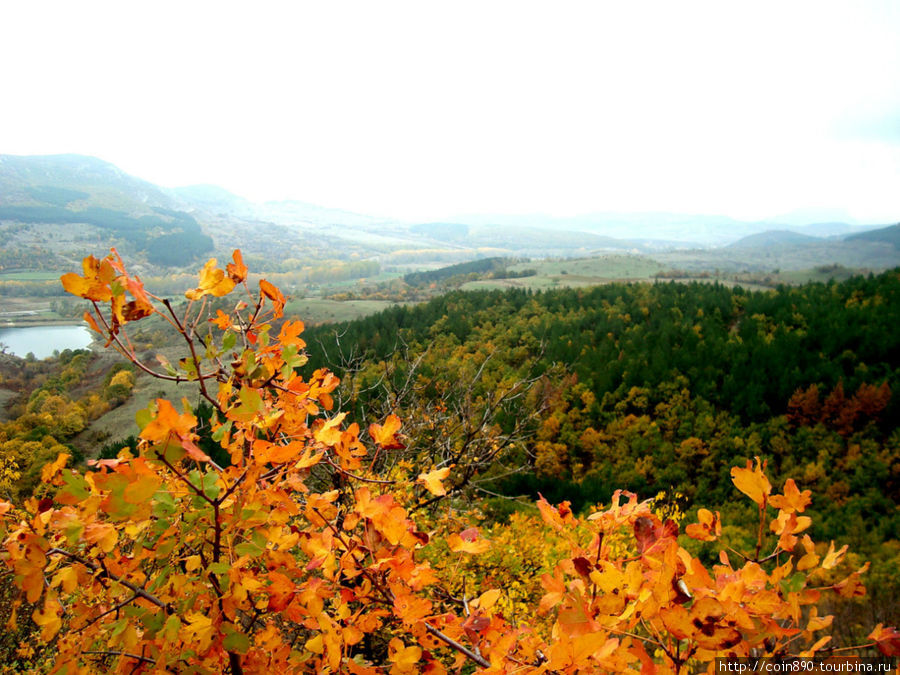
{"x": 43, "y": 340}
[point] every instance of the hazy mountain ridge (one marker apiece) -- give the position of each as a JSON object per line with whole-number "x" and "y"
{"x": 773, "y": 238}
{"x": 107, "y": 185}
{"x": 75, "y": 189}
{"x": 887, "y": 235}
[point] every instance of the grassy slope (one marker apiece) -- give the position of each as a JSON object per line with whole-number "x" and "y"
{"x": 575, "y": 272}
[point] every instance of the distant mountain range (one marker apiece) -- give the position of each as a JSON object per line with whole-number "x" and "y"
{"x": 89, "y": 200}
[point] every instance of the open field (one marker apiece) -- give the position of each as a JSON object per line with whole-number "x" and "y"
{"x": 609, "y": 266}
{"x": 321, "y": 310}
{"x": 575, "y": 272}
{"x": 38, "y": 275}
{"x": 21, "y": 312}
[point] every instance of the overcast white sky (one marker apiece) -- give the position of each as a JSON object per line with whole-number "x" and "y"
{"x": 426, "y": 110}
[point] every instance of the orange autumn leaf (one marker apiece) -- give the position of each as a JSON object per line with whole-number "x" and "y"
{"x": 94, "y": 285}
{"x": 168, "y": 421}
{"x": 793, "y": 500}
{"x": 709, "y": 527}
{"x": 213, "y": 281}
{"x": 886, "y": 639}
{"x": 49, "y": 471}
{"x": 385, "y": 435}
{"x": 432, "y": 481}
{"x": 404, "y": 659}
{"x": 48, "y": 617}
{"x": 237, "y": 271}
{"x": 752, "y": 481}
{"x": 290, "y": 334}
{"x": 222, "y": 320}
{"x": 193, "y": 451}
{"x": 272, "y": 293}
{"x": 92, "y": 322}
{"x": 468, "y": 541}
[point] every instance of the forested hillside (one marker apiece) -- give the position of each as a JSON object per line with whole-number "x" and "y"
{"x": 662, "y": 387}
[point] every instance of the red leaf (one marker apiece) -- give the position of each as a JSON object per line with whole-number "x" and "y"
{"x": 646, "y": 532}
{"x": 469, "y": 535}
{"x": 887, "y": 639}
{"x": 583, "y": 566}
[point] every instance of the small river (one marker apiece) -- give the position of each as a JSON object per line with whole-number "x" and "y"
{"x": 42, "y": 341}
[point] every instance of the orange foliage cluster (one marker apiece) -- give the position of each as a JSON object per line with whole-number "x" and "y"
{"x": 838, "y": 411}
{"x": 298, "y": 558}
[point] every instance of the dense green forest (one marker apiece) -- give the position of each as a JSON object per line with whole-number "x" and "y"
{"x": 660, "y": 388}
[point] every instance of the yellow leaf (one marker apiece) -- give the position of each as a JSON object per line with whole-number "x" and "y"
{"x": 752, "y": 482}
{"x": 488, "y": 599}
{"x": 200, "y": 629}
{"x": 308, "y": 459}
{"x": 67, "y": 577}
{"x": 213, "y": 281}
{"x": 832, "y": 558}
{"x": 467, "y": 541}
{"x": 404, "y": 658}
{"x": 48, "y": 618}
{"x": 49, "y": 471}
{"x": 329, "y": 433}
{"x": 316, "y": 644}
{"x": 432, "y": 481}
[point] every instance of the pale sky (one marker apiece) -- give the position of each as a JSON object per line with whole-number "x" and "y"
{"x": 426, "y": 110}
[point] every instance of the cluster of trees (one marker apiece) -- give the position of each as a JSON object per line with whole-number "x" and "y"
{"x": 168, "y": 238}
{"x": 30, "y": 257}
{"x": 456, "y": 275}
{"x": 745, "y": 352}
{"x": 54, "y": 404}
{"x": 56, "y": 196}
{"x": 311, "y": 544}
{"x": 461, "y": 270}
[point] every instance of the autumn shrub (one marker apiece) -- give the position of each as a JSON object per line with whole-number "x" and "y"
{"x": 302, "y": 555}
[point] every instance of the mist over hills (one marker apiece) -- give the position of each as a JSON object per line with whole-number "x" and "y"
{"x": 68, "y": 205}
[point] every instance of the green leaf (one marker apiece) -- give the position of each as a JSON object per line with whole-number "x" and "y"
{"x": 171, "y": 628}
{"x": 236, "y": 642}
{"x": 794, "y": 583}
{"x": 152, "y": 622}
{"x": 160, "y": 580}
{"x": 163, "y": 503}
{"x": 118, "y": 627}
{"x": 248, "y": 548}
{"x": 143, "y": 417}
{"x": 211, "y": 351}
{"x": 229, "y": 341}
{"x": 251, "y": 404}
{"x": 219, "y": 433}
{"x": 189, "y": 367}
{"x": 254, "y": 547}
{"x": 209, "y": 484}
{"x": 219, "y": 568}
{"x": 170, "y": 450}
{"x": 205, "y": 482}
{"x": 75, "y": 490}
